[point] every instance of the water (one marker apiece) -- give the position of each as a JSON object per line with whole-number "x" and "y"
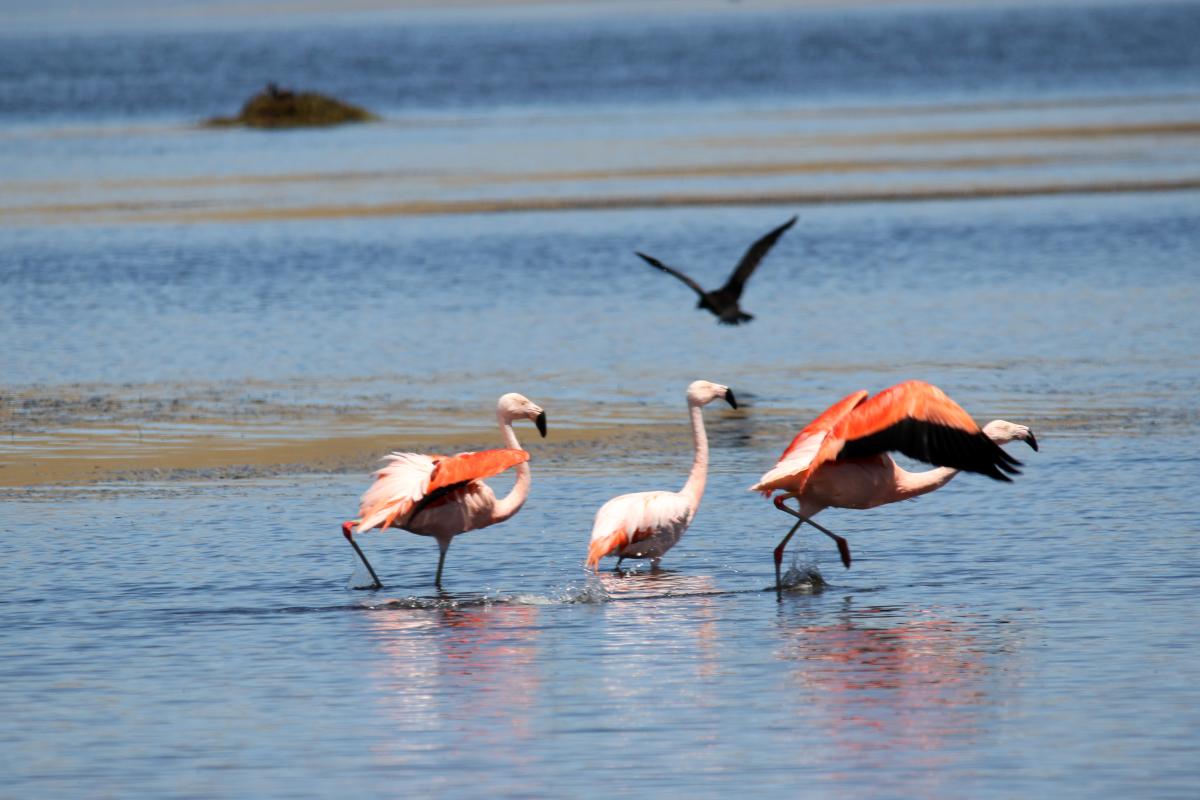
{"x": 178, "y": 640}
{"x": 585, "y": 59}
{"x": 227, "y": 328}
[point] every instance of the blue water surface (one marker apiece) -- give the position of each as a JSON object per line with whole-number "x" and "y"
{"x": 186, "y": 637}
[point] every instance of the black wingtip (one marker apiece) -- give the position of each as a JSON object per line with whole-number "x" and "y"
{"x": 997, "y": 471}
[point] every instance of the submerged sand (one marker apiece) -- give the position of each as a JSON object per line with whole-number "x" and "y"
{"x": 84, "y": 434}
{"x": 790, "y": 157}
{"x": 95, "y": 433}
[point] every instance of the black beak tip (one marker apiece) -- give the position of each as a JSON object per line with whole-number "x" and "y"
{"x": 729, "y": 398}
{"x": 540, "y": 422}
{"x": 1032, "y": 442}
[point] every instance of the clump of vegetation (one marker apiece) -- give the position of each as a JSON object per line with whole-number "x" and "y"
{"x": 274, "y": 107}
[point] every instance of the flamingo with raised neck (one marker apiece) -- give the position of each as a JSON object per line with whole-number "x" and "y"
{"x": 443, "y": 496}
{"x": 648, "y": 524}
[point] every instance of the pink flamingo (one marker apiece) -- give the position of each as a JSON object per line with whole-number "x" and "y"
{"x": 840, "y": 460}
{"x": 648, "y": 524}
{"x": 443, "y": 496}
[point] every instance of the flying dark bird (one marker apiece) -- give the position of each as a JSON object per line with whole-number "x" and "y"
{"x": 724, "y": 301}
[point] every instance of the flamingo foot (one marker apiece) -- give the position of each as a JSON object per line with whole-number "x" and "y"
{"x": 348, "y": 532}
{"x": 843, "y": 550}
{"x": 779, "y": 559}
{"x": 842, "y": 545}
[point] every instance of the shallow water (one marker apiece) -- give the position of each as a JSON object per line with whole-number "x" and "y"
{"x": 180, "y": 640}
{"x": 168, "y": 293}
{"x": 1044, "y": 306}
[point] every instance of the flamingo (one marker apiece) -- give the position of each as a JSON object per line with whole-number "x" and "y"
{"x": 443, "y": 496}
{"x": 648, "y": 524}
{"x": 723, "y": 302}
{"x": 840, "y": 460}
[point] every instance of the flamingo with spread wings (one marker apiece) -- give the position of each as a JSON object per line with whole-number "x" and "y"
{"x": 648, "y": 524}
{"x": 840, "y": 460}
{"x": 443, "y": 496}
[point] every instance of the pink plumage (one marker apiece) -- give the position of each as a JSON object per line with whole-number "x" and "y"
{"x": 648, "y": 524}
{"x": 410, "y": 478}
{"x": 443, "y": 496}
{"x": 840, "y": 459}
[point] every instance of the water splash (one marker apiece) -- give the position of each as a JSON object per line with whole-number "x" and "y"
{"x": 803, "y": 578}
{"x": 360, "y": 578}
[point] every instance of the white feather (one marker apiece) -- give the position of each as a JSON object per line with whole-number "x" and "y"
{"x": 405, "y": 479}
{"x": 797, "y": 461}
{"x": 643, "y": 511}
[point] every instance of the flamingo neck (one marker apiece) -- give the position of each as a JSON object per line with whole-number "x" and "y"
{"x": 915, "y": 484}
{"x": 511, "y": 503}
{"x": 693, "y": 490}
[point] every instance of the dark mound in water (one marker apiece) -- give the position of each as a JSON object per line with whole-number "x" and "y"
{"x": 274, "y": 107}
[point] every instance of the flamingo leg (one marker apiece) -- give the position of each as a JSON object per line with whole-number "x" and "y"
{"x": 442, "y": 548}
{"x": 843, "y": 547}
{"x": 617, "y": 568}
{"x": 779, "y": 559}
{"x": 349, "y": 534}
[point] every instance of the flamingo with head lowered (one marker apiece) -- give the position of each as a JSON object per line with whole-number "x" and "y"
{"x": 840, "y": 460}
{"x": 648, "y": 524}
{"x": 443, "y": 496}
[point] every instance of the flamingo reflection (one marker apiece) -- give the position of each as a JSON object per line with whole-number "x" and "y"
{"x": 472, "y": 671}
{"x": 661, "y": 605}
{"x": 882, "y": 683}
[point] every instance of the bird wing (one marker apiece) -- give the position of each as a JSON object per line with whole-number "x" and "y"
{"x": 921, "y": 421}
{"x": 466, "y": 467}
{"x": 410, "y": 478}
{"x": 746, "y": 267}
{"x": 633, "y": 517}
{"x": 811, "y": 447}
{"x": 397, "y": 488}
{"x": 654, "y": 262}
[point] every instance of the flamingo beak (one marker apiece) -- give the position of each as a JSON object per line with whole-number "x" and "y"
{"x": 540, "y": 422}
{"x": 1032, "y": 442}
{"x": 729, "y": 398}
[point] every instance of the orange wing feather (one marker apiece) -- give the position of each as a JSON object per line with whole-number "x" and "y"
{"x": 474, "y": 466}
{"x": 447, "y": 471}
{"x": 599, "y": 548}
{"x": 911, "y": 399}
{"x": 919, "y": 420}
{"x": 799, "y": 460}
{"x": 913, "y": 417}
{"x": 828, "y": 419}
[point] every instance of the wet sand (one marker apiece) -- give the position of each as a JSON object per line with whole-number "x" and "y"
{"x": 92, "y": 434}
{"x": 87, "y": 434}
{"x": 461, "y": 165}
{"x": 697, "y": 200}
